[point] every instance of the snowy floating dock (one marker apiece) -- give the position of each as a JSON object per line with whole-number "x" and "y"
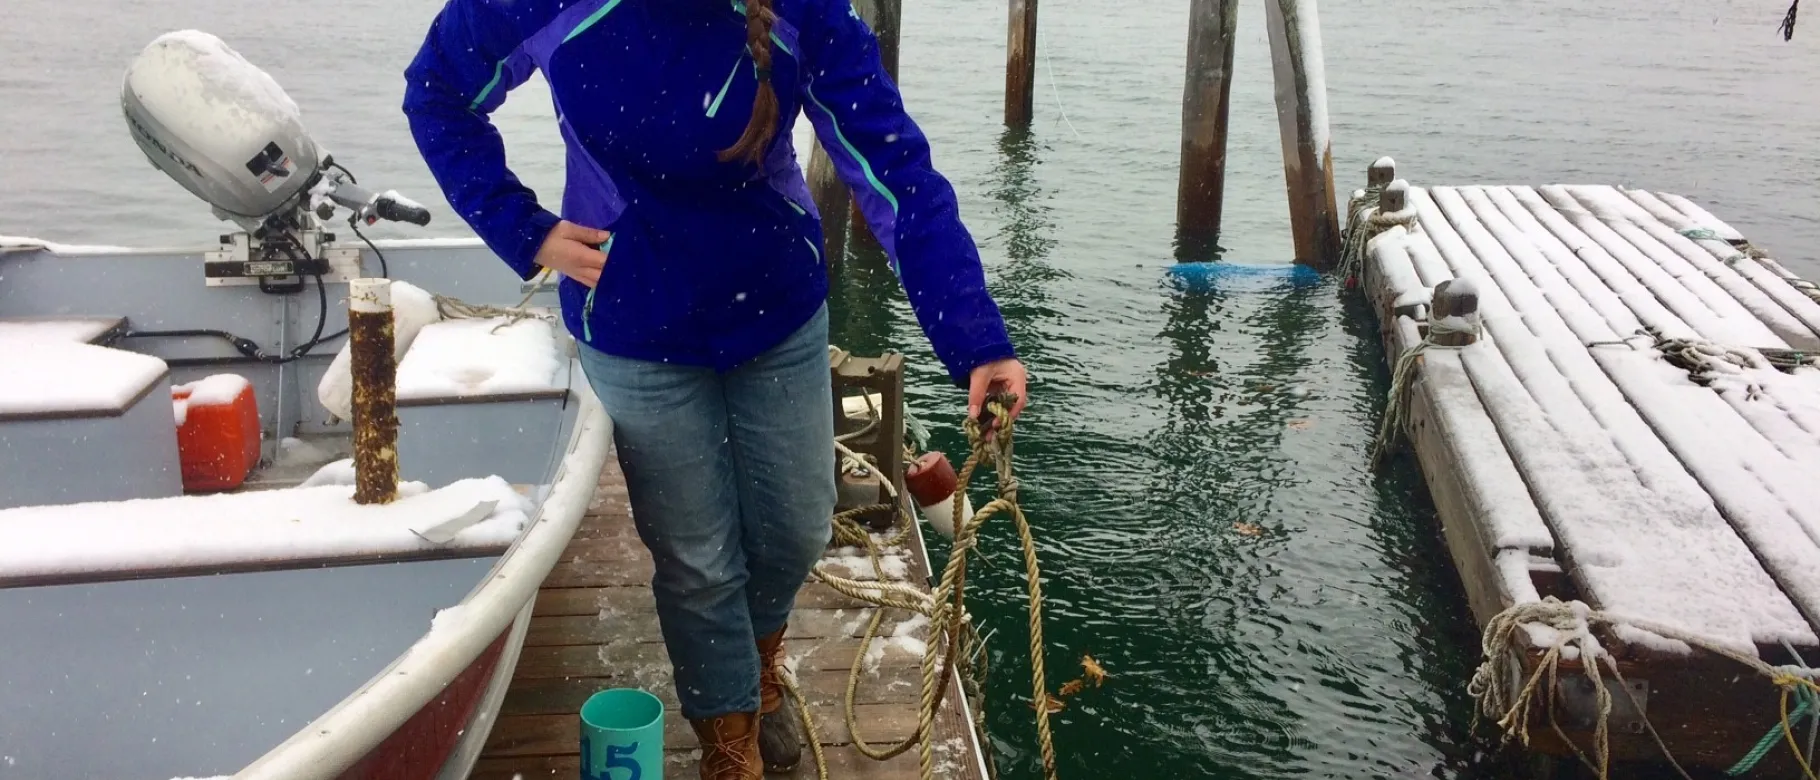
{"x": 1636, "y": 426}
{"x": 595, "y": 627}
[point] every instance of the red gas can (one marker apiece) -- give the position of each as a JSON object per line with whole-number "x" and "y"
{"x": 217, "y": 431}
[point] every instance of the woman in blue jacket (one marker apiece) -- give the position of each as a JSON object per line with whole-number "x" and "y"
{"x": 690, "y": 255}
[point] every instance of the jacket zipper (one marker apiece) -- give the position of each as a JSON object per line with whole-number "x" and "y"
{"x": 587, "y": 306}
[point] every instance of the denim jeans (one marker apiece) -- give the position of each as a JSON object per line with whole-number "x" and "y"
{"x": 731, "y": 478}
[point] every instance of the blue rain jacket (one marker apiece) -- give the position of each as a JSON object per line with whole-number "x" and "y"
{"x": 710, "y": 263}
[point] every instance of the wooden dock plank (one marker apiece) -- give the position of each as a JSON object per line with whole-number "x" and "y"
{"x": 1801, "y": 328}
{"x": 1760, "y": 490}
{"x": 1475, "y": 463}
{"x": 1728, "y": 293}
{"x": 1658, "y": 491}
{"x": 845, "y": 764}
{"x": 594, "y": 626}
{"x": 1639, "y": 536}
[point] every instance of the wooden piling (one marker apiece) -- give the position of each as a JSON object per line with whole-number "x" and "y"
{"x": 374, "y": 372}
{"x": 1020, "y": 64}
{"x": 886, "y": 18}
{"x": 1301, "y": 91}
{"x": 833, "y": 201}
{"x": 842, "y": 221}
{"x": 1206, "y": 103}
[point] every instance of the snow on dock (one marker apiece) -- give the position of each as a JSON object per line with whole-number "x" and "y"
{"x": 595, "y": 627}
{"x": 1636, "y": 426}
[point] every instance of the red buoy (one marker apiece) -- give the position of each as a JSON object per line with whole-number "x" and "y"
{"x": 931, "y": 479}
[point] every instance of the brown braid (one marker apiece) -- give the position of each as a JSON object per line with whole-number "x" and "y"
{"x": 763, "y": 126}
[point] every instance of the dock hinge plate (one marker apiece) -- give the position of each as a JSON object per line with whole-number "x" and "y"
{"x": 1578, "y": 702}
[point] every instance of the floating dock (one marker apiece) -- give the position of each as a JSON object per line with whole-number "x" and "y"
{"x": 1614, "y": 401}
{"x": 595, "y": 627}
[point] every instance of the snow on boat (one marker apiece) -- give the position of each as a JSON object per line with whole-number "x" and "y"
{"x": 184, "y": 575}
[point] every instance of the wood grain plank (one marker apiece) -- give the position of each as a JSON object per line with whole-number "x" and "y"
{"x": 844, "y": 763}
{"x": 896, "y": 684}
{"x": 615, "y": 660}
{"x": 642, "y": 626}
{"x": 555, "y": 735}
{"x": 592, "y": 601}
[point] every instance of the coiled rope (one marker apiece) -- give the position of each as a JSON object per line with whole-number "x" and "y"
{"x": 1572, "y": 623}
{"x": 951, "y": 633}
{"x": 1706, "y": 361}
{"x": 455, "y": 308}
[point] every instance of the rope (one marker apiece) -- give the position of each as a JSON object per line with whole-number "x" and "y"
{"x": 1572, "y": 623}
{"x": 1396, "y": 410}
{"x": 1787, "y": 28}
{"x": 1363, "y": 223}
{"x": 945, "y": 607}
{"x": 1704, "y": 361}
{"x": 455, "y": 308}
{"x": 1809, "y": 702}
{"x": 1748, "y": 251}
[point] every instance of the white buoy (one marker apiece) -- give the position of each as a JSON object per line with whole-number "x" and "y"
{"x": 932, "y": 482}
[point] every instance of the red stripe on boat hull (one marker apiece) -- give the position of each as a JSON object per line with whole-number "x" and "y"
{"x": 420, "y": 747}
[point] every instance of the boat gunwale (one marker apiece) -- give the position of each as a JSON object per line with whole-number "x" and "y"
{"x": 361, "y": 721}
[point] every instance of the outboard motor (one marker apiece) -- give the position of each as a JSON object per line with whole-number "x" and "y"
{"x": 219, "y": 126}
{"x": 227, "y": 132}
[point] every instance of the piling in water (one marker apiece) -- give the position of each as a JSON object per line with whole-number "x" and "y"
{"x": 1020, "y": 64}
{"x": 1301, "y": 91}
{"x": 1206, "y": 102}
{"x": 886, "y": 18}
{"x": 375, "y": 391}
{"x": 832, "y": 201}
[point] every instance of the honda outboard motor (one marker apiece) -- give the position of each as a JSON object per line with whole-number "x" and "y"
{"x": 227, "y": 132}
{"x": 219, "y": 126}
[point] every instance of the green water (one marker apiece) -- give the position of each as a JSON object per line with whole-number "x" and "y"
{"x": 1335, "y": 642}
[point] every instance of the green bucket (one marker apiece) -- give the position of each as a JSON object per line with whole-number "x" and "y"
{"x": 622, "y": 736}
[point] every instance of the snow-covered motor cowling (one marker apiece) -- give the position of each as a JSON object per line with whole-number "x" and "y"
{"x": 218, "y": 125}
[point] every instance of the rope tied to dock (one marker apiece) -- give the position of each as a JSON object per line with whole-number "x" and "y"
{"x": 1749, "y": 251}
{"x": 945, "y": 607}
{"x": 1706, "y": 361}
{"x": 1363, "y": 223}
{"x": 1572, "y": 623}
{"x": 1395, "y": 425}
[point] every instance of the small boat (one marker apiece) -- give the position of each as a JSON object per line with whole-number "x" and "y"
{"x": 187, "y": 586}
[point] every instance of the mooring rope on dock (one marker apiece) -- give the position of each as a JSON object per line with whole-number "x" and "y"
{"x": 1572, "y": 623}
{"x": 1749, "y": 251}
{"x": 1705, "y": 361}
{"x": 945, "y": 607}
{"x": 1395, "y": 425}
{"x": 1364, "y": 222}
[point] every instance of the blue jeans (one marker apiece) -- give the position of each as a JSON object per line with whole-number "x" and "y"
{"x": 731, "y": 478}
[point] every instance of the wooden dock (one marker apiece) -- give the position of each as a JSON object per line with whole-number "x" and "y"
{"x": 1578, "y": 446}
{"x": 595, "y": 627}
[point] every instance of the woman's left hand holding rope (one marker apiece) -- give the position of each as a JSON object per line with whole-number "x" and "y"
{"x": 999, "y": 376}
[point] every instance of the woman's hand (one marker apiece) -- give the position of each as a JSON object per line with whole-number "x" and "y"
{"x": 999, "y": 376}
{"x": 571, "y": 250}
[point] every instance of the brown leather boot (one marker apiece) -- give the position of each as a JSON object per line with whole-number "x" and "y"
{"x": 780, "y": 740}
{"x": 729, "y": 747}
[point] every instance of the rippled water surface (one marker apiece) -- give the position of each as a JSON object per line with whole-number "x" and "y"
{"x": 1333, "y": 642}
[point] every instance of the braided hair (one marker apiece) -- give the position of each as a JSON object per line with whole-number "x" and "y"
{"x": 763, "y": 125}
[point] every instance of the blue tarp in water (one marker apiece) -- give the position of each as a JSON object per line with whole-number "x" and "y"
{"x": 1231, "y": 277}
